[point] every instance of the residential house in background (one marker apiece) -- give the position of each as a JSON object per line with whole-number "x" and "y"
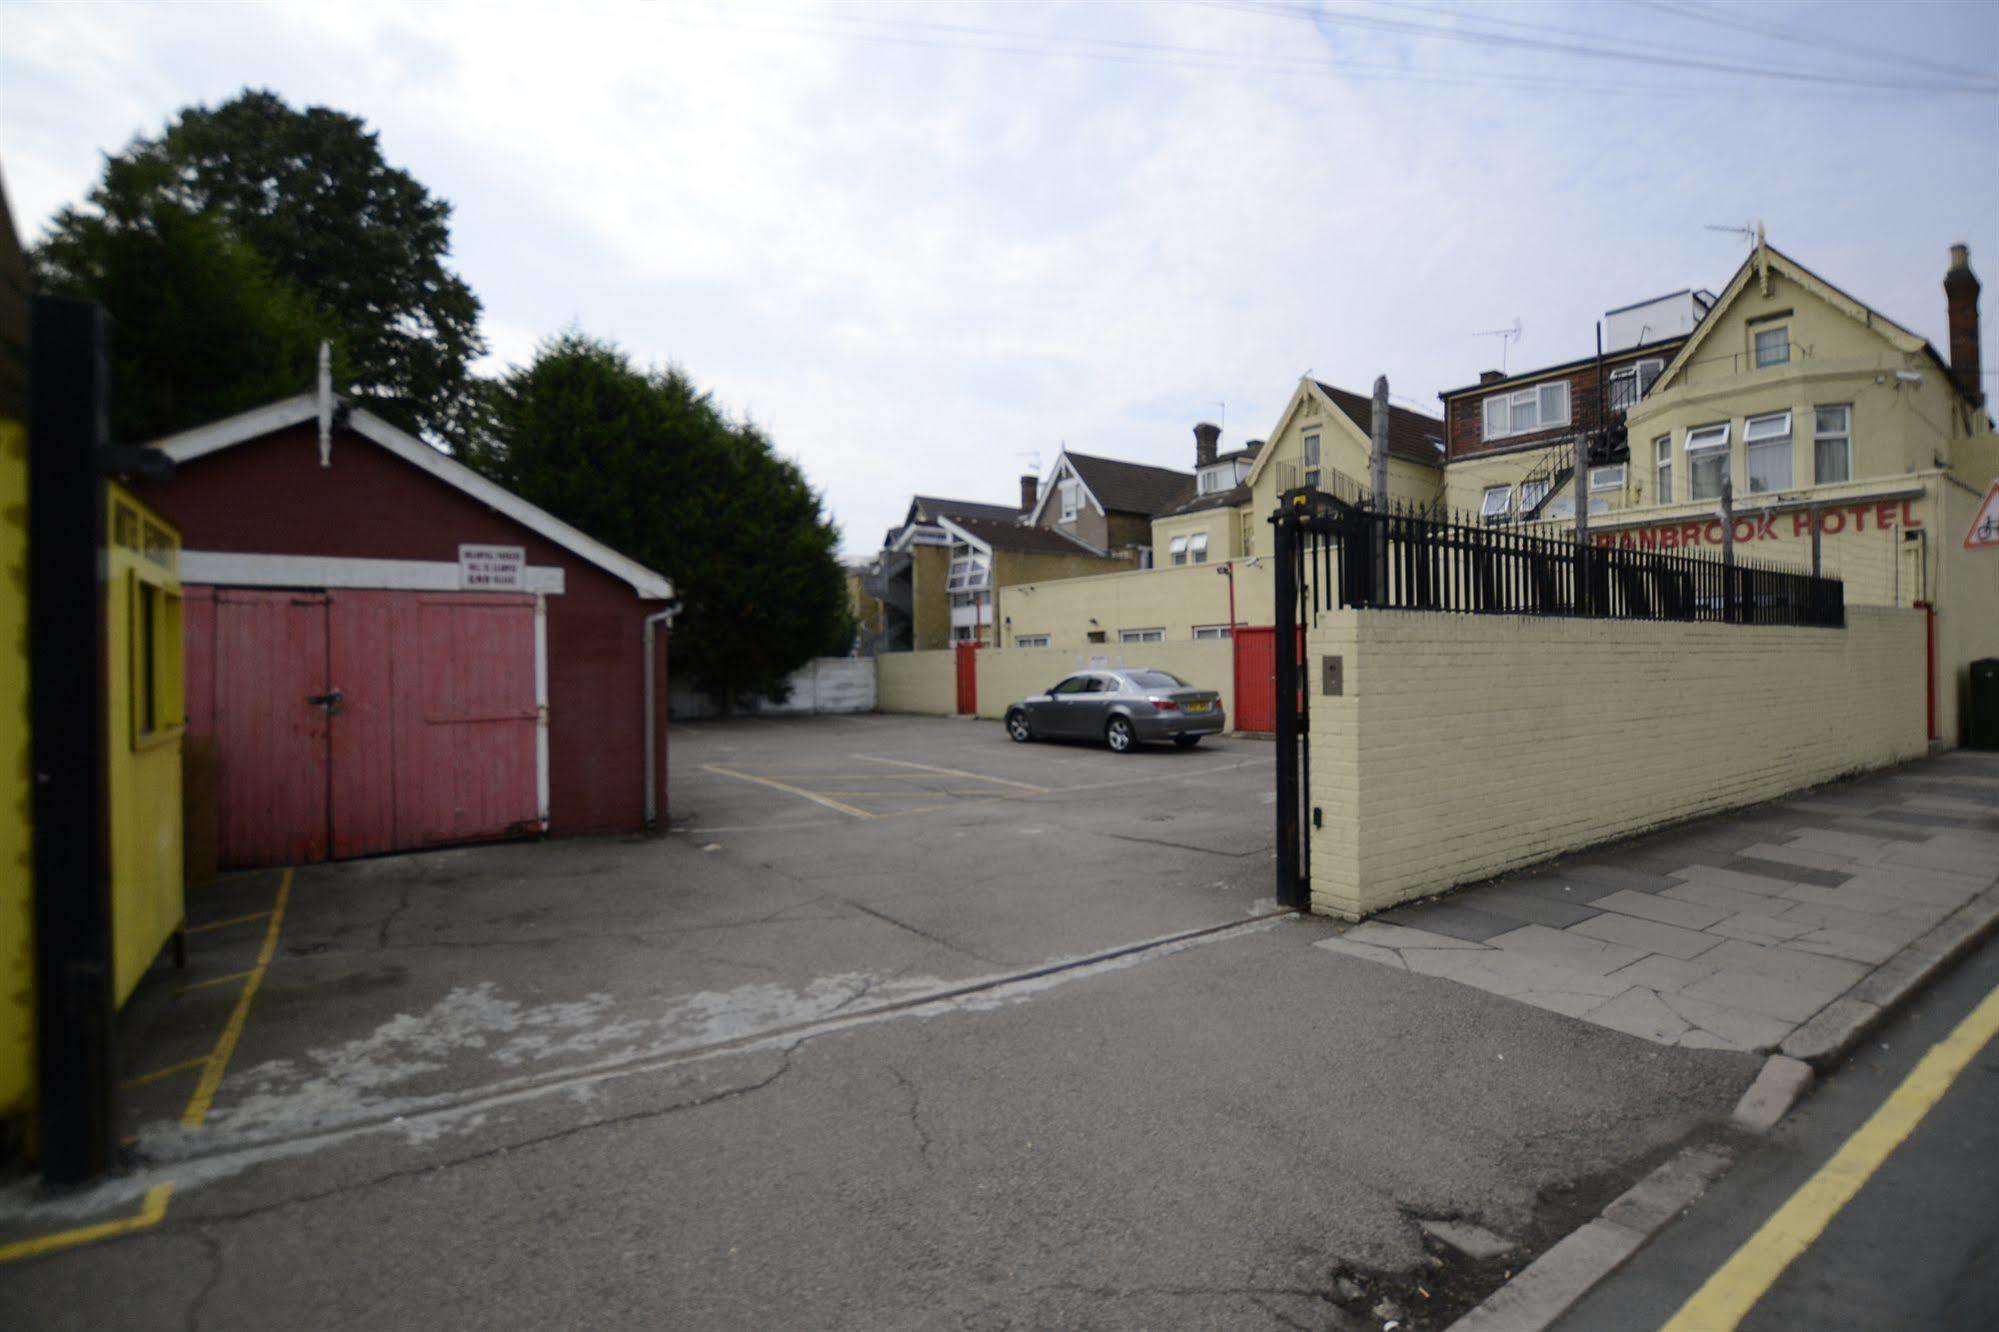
{"x": 938, "y": 578}
{"x": 1208, "y": 525}
{"x": 1534, "y": 416}
{"x": 1108, "y": 505}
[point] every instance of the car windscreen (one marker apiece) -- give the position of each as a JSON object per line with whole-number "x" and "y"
{"x": 1156, "y": 680}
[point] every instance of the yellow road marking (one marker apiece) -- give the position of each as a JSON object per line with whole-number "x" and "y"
{"x": 813, "y": 796}
{"x": 159, "y": 1074}
{"x": 954, "y": 772}
{"x": 233, "y": 920}
{"x": 225, "y": 1045}
{"x": 149, "y": 1214}
{"x": 1735, "y": 1288}
{"x": 213, "y": 980}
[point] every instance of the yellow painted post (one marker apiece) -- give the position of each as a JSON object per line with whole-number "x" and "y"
{"x": 17, "y": 866}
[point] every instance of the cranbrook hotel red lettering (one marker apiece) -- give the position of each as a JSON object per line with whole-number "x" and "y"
{"x": 1878, "y": 517}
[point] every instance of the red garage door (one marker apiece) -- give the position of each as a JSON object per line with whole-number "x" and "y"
{"x": 356, "y": 722}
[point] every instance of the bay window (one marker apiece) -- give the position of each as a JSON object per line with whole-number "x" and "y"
{"x": 1707, "y": 461}
{"x": 1766, "y": 441}
{"x": 1832, "y": 444}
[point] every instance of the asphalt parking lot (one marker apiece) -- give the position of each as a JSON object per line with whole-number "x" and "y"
{"x": 902, "y": 1025}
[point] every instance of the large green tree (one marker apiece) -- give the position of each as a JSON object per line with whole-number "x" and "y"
{"x": 645, "y": 461}
{"x": 311, "y": 194}
{"x": 200, "y": 326}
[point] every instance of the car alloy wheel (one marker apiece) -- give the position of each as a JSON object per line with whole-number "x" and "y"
{"x": 1118, "y": 735}
{"x": 1016, "y": 726}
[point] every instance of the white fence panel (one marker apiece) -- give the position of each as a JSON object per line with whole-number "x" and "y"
{"x": 822, "y": 685}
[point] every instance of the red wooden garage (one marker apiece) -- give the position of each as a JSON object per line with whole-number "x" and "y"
{"x": 393, "y": 652}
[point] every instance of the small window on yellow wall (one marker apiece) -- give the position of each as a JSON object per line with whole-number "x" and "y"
{"x": 157, "y": 696}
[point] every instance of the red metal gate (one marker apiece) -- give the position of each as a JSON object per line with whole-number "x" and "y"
{"x": 1256, "y": 678}
{"x": 968, "y": 679}
{"x": 359, "y": 722}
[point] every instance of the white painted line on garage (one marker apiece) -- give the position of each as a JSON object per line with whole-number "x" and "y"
{"x": 791, "y": 790}
{"x": 952, "y": 772}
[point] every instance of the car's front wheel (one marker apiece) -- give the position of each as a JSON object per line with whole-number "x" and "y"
{"x": 1119, "y": 736}
{"x": 1016, "y": 726}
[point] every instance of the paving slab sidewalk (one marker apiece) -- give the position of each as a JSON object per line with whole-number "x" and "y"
{"x": 1785, "y": 926}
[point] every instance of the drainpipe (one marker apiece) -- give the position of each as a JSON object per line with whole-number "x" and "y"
{"x": 664, "y": 617}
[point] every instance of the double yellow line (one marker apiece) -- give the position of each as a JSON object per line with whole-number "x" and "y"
{"x": 1728, "y": 1296}
{"x": 213, "y": 1066}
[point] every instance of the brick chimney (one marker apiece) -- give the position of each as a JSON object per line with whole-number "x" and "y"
{"x": 1960, "y": 290}
{"x": 1030, "y": 490}
{"x": 1491, "y": 376}
{"x": 1206, "y": 437}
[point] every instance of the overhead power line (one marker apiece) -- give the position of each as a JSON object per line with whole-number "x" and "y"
{"x": 1594, "y": 49}
{"x": 1013, "y": 42}
{"x": 1701, "y": 13}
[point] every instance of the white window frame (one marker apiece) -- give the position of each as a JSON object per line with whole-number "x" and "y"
{"x": 1662, "y": 468}
{"x": 1202, "y": 631}
{"x": 1821, "y": 436}
{"x": 1177, "y": 549}
{"x": 1487, "y": 509}
{"x": 1703, "y": 441}
{"x": 1070, "y": 493}
{"x": 1030, "y": 640}
{"x": 1141, "y": 635}
{"x": 1544, "y": 419}
{"x": 1640, "y": 383}
{"x": 1756, "y": 337}
{"x": 1197, "y": 548}
{"x": 1760, "y": 440}
{"x": 1609, "y": 477}
{"x": 1532, "y": 493}
{"x": 1311, "y": 456}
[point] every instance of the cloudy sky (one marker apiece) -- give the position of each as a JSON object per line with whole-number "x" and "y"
{"x": 927, "y": 245}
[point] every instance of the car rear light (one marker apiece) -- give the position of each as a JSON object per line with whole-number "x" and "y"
{"x": 1164, "y": 704}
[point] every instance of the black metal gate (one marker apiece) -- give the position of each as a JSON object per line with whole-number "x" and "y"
{"x": 1307, "y": 524}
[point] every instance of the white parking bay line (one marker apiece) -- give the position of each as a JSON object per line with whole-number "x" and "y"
{"x": 953, "y": 772}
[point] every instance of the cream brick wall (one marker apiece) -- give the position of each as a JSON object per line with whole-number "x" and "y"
{"x": 922, "y": 682}
{"x": 927, "y": 682}
{"x": 1175, "y": 599}
{"x": 1012, "y": 674}
{"x": 1466, "y": 745}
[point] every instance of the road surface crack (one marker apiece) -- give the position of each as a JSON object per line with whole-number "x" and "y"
{"x": 915, "y": 1115}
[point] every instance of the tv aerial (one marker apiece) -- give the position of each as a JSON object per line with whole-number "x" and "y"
{"x": 1507, "y": 337}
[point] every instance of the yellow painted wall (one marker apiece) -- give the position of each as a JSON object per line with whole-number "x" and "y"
{"x": 1429, "y": 774}
{"x": 1007, "y": 676}
{"x": 922, "y": 682}
{"x": 143, "y": 773}
{"x": 929, "y": 601}
{"x": 927, "y": 682}
{"x": 1223, "y": 526}
{"x": 1173, "y": 599}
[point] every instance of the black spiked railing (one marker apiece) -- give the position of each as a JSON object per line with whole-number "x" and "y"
{"x": 1420, "y": 559}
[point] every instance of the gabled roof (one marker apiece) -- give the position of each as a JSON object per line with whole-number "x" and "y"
{"x": 1410, "y": 434}
{"x": 1218, "y": 499}
{"x": 1765, "y": 258}
{"x": 1128, "y": 487}
{"x": 1010, "y": 535}
{"x": 929, "y": 508}
{"x": 272, "y": 417}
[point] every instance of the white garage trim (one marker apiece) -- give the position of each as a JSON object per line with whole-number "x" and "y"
{"x": 228, "y": 568}
{"x": 261, "y": 421}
